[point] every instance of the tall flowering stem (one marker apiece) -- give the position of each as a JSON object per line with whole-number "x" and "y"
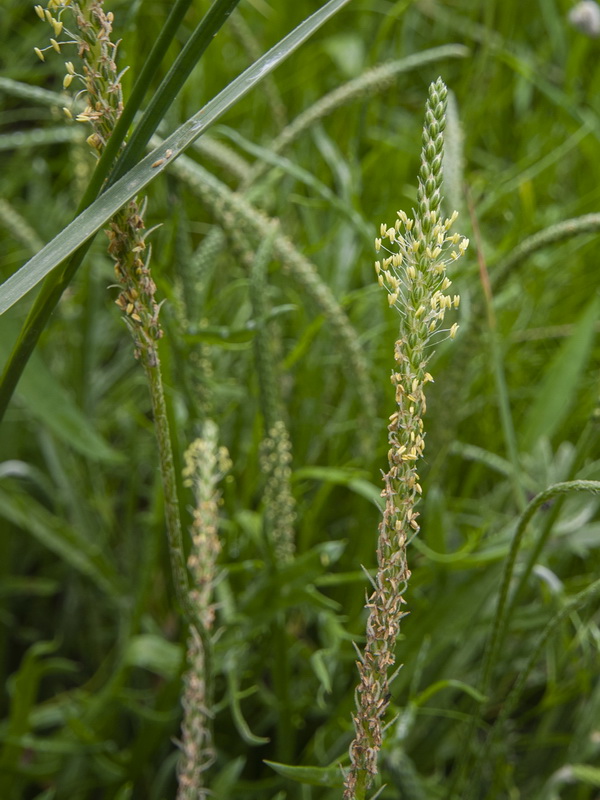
{"x": 413, "y": 273}
{"x": 86, "y": 26}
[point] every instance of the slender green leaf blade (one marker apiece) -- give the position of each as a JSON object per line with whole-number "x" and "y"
{"x": 587, "y": 774}
{"x": 559, "y": 386}
{"x": 314, "y": 776}
{"x": 65, "y": 541}
{"x": 52, "y": 405}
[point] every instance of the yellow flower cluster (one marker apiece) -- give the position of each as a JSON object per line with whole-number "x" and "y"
{"x": 98, "y": 77}
{"x": 414, "y": 272}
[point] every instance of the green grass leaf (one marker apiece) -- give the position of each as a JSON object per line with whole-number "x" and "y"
{"x": 313, "y": 776}
{"x": 559, "y": 386}
{"x": 68, "y": 543}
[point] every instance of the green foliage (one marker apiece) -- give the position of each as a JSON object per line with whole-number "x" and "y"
{"x": 499, "y": 695}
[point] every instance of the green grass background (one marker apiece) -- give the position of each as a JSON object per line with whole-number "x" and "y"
{"x": 91, "y": 646}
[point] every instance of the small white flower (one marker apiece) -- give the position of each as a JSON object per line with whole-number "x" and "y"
{"x": 585, "y": 17}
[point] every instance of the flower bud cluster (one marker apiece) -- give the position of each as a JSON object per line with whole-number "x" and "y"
{"x": 280, "y": 506}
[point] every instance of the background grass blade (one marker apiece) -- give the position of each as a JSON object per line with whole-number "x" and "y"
{"x": 558, "y": 389}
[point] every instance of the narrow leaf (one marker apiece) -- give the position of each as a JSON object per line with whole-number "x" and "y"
{"x": 66, "y": 542}
{"x": 331, "y": 777}
{"x": 559, "y": 387}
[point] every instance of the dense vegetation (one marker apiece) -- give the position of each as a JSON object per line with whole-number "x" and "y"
{"x": 286, "y": 325}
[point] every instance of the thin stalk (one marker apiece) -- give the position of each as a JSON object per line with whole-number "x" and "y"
{"x": 169, "y": 480}
{"x": 508, "y": 428}
{"x": 586, "y": 444}
{"x": 501, "y": 617}
{"x": 281, "y": 681}
{"x": 509, "y": 704}
{"x": 473, "y": 757}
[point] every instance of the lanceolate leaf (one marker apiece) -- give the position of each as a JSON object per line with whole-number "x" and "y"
{"x": 88, "y": 222}
{"x": 313, "y": 776}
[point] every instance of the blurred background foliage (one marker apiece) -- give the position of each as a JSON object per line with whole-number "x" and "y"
{"x": 91, "y": 647}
